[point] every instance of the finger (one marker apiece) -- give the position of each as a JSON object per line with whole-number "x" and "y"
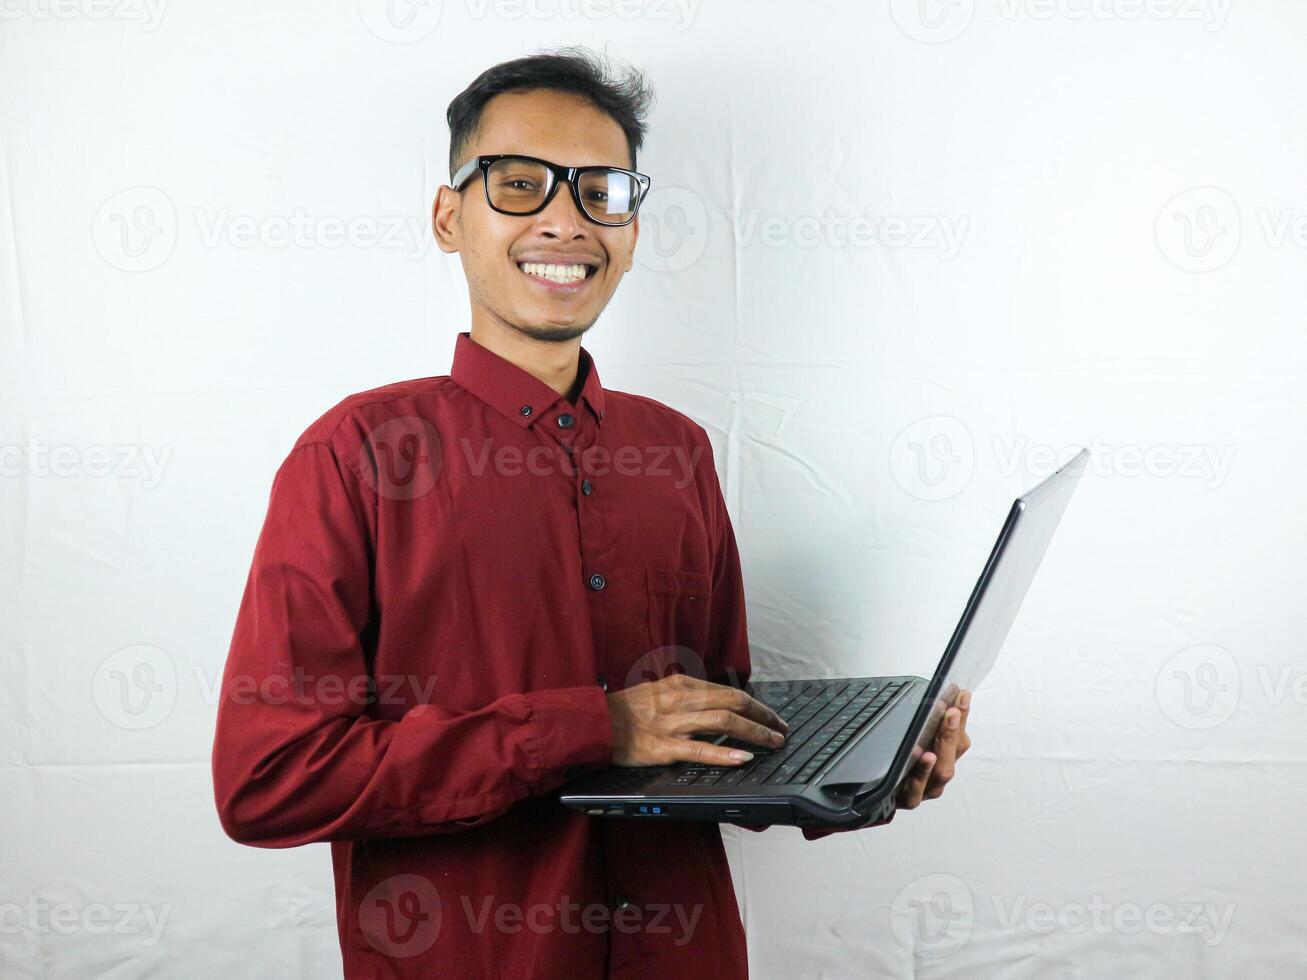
{"x": 743, "y": 703}
{"x": 910, "y": 792}
{"x": 964, "y": 705}
{"x": 728, "y": 722}
{"x": 692, "y": 750}
{"x": 949, "y": 727}
{"x": 717, "y": 696}
{"x": 946, "y": 745}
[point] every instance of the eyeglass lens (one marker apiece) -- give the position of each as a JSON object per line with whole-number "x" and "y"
{"x": 518, "y": 186}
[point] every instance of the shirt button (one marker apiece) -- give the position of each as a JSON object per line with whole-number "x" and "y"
{"x": 525, "y": 409}
{"x": 565, "y": 421}
{"x": 585, "y": 487}
{"x": 620, "y": 901}
{"x": 602, "y": 681}
{"x": 596, "y": 581}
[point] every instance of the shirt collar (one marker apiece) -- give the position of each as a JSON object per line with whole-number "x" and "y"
{"x": 513, "y": 391}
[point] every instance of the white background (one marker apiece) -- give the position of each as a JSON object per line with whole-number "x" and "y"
{"x": 1105, "y": 244}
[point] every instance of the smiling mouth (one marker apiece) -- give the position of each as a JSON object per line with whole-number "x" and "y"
{"x": 562, "y": 275}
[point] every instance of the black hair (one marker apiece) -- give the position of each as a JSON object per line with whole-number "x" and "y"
{"x": 626, "y": 97}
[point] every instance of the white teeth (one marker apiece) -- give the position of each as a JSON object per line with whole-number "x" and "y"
{"x": 555, "y": 273}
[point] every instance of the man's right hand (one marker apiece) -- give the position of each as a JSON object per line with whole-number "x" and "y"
{"x": 653, "y": 723}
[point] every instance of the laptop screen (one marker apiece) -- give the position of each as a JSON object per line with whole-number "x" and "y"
{"x": 993, "y": 605}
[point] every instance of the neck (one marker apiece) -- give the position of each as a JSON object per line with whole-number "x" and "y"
{"x": 556, "y": 363}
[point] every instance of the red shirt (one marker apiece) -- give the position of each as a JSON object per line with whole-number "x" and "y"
{"x": 439, "y": 598}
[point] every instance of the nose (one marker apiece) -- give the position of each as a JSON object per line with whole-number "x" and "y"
{"x": 561, "y": 216}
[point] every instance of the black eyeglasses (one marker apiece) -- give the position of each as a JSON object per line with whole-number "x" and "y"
{"x": 522, "y": 185}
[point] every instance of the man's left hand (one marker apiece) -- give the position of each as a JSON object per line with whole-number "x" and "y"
{"x": 933, "y": 769}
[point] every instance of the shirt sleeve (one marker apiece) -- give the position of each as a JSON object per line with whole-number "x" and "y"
{"x": 726, "y": 658}
{"x": 297, "y": 758}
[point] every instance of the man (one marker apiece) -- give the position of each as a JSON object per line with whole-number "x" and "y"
{"x": 463, "y": 582}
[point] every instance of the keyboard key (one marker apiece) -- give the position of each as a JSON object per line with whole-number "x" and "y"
{"x": 783, "y": 773}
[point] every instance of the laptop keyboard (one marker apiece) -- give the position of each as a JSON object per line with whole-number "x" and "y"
{"x": 823, "y": 716}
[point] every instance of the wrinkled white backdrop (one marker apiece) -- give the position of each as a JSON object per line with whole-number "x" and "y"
{"x": 899, "y": 260}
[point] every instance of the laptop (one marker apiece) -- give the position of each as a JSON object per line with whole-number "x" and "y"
{"x": 851, "y": 740}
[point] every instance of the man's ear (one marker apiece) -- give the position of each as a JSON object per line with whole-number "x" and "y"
{"x": 445, "y": 218}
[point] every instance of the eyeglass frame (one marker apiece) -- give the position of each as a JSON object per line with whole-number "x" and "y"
{"x": 558, "y": 175}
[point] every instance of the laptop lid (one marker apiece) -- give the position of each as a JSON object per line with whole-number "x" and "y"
{"x": 992, "y": 607}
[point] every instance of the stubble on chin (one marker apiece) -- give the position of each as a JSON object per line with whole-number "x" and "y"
{"x": 547, "y": 332}
{"x": 551, "y": 334}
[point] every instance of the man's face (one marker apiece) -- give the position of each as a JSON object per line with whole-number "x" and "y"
{"x": 567, "y": 130}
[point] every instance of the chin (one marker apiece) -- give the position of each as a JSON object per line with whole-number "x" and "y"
{"x": 552, "y": 331}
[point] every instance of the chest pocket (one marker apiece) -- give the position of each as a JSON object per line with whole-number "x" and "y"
{"x": 677, "y": 608}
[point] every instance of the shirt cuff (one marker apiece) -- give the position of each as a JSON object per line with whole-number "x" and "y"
{"x": 573, "y": 733}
